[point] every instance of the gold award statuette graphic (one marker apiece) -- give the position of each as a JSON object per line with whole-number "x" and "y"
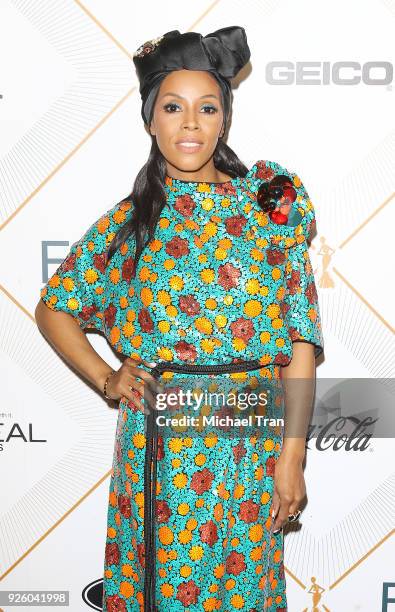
{"x": 316, "y": 594}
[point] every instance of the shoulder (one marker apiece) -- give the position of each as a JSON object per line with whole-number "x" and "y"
{"x": 263, "y": 180}
{"x": 102, "y": 231}
{"x": 264, "y": 170}
{"x": 113, "y": 219}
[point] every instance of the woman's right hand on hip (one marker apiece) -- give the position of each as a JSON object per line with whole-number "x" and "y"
{"x": 125, "y": 383}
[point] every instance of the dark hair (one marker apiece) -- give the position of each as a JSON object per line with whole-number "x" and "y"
{"x": 149, "y": 196}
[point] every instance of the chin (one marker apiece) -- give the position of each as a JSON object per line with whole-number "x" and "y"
{"x": 189, "y": 163}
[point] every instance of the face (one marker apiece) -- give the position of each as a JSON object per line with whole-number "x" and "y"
{"x": 187, "y": 120}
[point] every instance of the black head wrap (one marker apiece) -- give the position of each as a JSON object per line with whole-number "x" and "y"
{"x": 223, "y": 53}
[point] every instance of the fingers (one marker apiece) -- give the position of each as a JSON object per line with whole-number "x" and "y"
{"x": 281, "y": 509}
{"x": 140, "y": 373}
{"x": 282, "y": 516}
{"x": 138, "y": 392}
{"x": 140, "y": 384}
{"x": 275, "y": 506}
{"x": 150, "y": 364}
{"x": 135, "y": 392}
{"x": 133, "y": 366}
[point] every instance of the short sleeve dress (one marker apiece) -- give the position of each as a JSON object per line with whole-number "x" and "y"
{"x": 220, "y": 281}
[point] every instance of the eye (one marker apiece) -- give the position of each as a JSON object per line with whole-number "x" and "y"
{"x": 212, "y": 109}
{"x": 169, "y": 105}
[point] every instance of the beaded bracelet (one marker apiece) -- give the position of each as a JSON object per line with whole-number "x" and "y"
{"x": 105, "y": 385}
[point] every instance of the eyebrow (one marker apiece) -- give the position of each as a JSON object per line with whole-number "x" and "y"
{"x": 178, "y": 96}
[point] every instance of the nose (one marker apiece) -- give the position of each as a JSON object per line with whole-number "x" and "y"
{"x": 190, "y": 120}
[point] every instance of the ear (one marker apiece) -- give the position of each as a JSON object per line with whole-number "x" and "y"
{"x": 152, "y": 129}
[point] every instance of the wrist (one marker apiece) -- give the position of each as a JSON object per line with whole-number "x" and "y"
{"x": 294, "y": 449}
{"x": 105, "y": 386}
{"x": 101, "y": 380}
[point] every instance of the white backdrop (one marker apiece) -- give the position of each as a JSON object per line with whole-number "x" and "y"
{"x": 71, "y": 142}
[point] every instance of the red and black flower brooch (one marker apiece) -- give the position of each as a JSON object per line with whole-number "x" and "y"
{"x": 276, "y": 197}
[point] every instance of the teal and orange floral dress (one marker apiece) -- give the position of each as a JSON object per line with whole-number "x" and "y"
{"x": 219, "y": 281}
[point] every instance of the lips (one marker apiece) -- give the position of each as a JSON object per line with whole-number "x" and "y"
{"x": 189, "y": 145}
{"x": 189, "y": 141}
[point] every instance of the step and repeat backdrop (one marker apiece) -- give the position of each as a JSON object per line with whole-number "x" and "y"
{"x": 317, "y": 97}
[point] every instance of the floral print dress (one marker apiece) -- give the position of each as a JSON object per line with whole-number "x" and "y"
{"x": 220, "y": 281}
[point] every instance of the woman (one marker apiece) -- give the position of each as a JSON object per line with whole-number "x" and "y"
{"x": 202, "y": 272}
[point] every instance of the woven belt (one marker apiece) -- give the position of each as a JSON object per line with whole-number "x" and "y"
{"x": 150, "y": 464}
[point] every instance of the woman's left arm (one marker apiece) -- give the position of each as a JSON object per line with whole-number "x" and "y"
{"x": 298, "y": 382}
{"x": 301, "y": 314}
